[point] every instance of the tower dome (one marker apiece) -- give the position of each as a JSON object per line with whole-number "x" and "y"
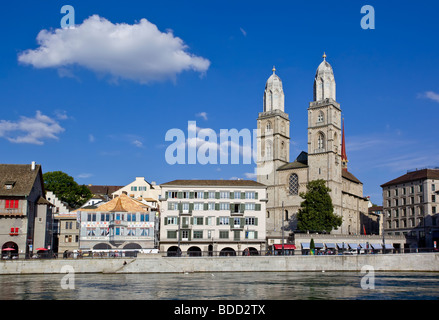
{"x": 324, "y": 82}
{"x": 274, "y": 98}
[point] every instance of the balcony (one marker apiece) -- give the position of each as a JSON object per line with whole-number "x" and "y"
{"x": 11, "y": 212}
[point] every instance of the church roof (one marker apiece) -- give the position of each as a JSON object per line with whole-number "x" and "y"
{"x": 349, "y": 176}
{"x": 300, "y": 162}
{"x": 273, "y": 81}
{"x": 324, "y": 67}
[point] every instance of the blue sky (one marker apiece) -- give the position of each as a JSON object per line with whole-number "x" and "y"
{"x": 91, "y": 109}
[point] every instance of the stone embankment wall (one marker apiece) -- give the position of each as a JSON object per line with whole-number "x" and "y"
{"x": 158, "y": 264}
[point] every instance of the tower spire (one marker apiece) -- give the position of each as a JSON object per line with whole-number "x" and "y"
{"x": 344, "y": 158}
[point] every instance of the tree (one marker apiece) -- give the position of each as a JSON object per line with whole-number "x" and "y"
{"x": 316, "y": 212}
{"x": 66, "y": 188}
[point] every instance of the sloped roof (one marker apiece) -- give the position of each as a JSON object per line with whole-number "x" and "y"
{"x": 300, "y": 162}
{"x": 21, "y": 175}
{"x": 414, "y": 175}
{"x": 123, "y": 203}
{"x": 347, "y": 175}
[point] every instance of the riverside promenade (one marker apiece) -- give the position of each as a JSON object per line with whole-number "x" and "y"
{"x": 418, "y": 262}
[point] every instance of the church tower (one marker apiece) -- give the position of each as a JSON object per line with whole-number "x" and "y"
{"x": 324, "y": 134}
{"x": 273, "y": 134}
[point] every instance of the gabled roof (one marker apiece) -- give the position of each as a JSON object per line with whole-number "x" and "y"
{"x": 347, "y": 175}
{"x": 22, "y": 178}
{"x": 414, "y": 175}
{"x": 122, "y": 203}
{"x": 300, "y": 162}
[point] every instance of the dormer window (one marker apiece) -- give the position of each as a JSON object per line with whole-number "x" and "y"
{"x": 9, "y": 185}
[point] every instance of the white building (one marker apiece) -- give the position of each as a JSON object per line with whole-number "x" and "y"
{"x": 140, "y": 188}
{"x": 213, "y": 217}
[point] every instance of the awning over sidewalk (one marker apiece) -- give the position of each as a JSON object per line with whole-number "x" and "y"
{"x": 286, "y": 246}
{"x": 376, "y": 246}
{"x": 389, "y": 246}
{"x": 342, "y": 245}
{"x": 330, "y": 245}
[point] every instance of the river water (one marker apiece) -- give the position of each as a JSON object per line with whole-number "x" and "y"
{"x": 223, "y": 286}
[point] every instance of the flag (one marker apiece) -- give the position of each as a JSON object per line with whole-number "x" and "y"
{"x": 364, "y": 229}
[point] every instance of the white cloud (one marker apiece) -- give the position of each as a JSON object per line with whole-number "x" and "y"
{"x": 202, "y": 115}
{"x": 250, "y": 175}
{"x": 84, "y": 175}
{"x": 243, "y": 32}
{"x": 91, "y": 138}
{"x": 432, "y": 96}
{"x": 30, "y": 130}
{"x": 137, "y": 143}
{"x": 138, "y": 52}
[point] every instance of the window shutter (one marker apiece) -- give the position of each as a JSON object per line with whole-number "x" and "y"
{"x": 257, "y": 207}
{"x": 191, "y": 207}
{"x": 256, "y": 195}
{"x": 179, "y": 195}
{"x": 256, "y": 234}
{"x": 191, "y": 195}
{"x": 7, "y": 204}
{"x": 206, "y": 221}
{"x": 217, "y": 206}
{"x": 165, "y": 221}
{"x": 241, "y": 222}
{"x": 241, "y": 207}
{"x": 206, "y": 195}
{"x": 206, "y": 207}
{"x": 217, "y": 195}
{"x": 217, "y": 221}
{"x": 256, "y": 221}
{"x": 232, "y": 195}
{"x": 242, "y": 195}
{"x": 166, "y": 195}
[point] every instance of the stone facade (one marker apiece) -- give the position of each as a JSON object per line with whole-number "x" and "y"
{"x": 325, "y": 159}
{"x": 411, "y": 207}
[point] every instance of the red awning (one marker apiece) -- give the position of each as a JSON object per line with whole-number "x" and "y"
{"x": 286, "y": 246}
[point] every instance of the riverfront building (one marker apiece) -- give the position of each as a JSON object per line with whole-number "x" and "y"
{"x": 213, "y": 217}
{"x": 25, "y": 215}
{"x": 120, "y": 224}
{"x": 325, "y": 158}
{"x": 411, "y": 207}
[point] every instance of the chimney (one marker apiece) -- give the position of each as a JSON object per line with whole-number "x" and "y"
{"x": 32, "y": 166}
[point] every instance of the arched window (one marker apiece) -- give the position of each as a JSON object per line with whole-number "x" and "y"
{"x": 293, "y": 185}
{"x": 321, "y": 141}
{"x": 268, "y": 125}
{"x": 269, "y": 151}
{"x": 321, "y": 117}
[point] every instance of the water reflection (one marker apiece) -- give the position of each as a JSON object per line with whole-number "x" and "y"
{"x": 222, "y": 286}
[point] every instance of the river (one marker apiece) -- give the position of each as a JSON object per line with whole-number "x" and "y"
{"x": 223, "y": 286}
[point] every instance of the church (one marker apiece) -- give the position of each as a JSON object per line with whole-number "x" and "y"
{"x": 325, "y": 158}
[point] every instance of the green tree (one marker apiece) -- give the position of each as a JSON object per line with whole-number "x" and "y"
{"x": 66, "y": 188}
{"x": 316, "y": 212}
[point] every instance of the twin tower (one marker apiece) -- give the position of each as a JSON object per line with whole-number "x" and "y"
{"x": 325, "y": 158}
